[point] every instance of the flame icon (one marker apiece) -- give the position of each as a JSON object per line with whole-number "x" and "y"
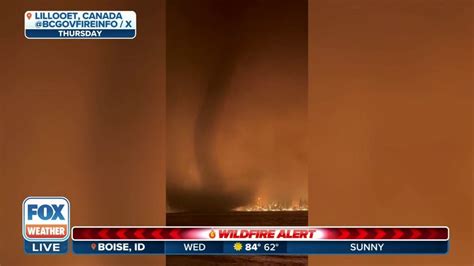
{"x": 212, "y": 234}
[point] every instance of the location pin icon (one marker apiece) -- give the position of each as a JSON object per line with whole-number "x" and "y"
{"x": 28, "y": 15}
{"x": 93, "y": 246}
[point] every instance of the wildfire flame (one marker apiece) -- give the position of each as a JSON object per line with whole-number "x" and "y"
{"x": 259, "y": 205}
{"x": 212, "y": 234}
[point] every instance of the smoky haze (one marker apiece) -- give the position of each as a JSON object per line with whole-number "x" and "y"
{"x": 236, "y": 103}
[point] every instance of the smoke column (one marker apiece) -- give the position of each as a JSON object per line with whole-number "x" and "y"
{"x": 212, "y": 193}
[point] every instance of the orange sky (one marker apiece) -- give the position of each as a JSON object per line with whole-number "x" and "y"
{"x": 237, "y": 95}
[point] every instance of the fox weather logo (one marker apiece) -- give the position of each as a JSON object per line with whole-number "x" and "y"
{"x": 46, "y": 224}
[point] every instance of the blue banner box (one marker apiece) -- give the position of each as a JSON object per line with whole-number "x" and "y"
{"x": 43, "y": 247}
{"x": 261, "y": 247}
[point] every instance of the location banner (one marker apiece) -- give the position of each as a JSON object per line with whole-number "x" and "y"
{"x": 80, "y": 24}
{"x": 259, "y": 247}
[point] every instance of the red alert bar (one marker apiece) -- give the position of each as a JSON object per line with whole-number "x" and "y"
{"x": 430, "y": 233}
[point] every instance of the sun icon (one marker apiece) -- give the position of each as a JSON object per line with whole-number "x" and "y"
{"x": 238, "y": 246}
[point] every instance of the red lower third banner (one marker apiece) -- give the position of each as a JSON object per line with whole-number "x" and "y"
{"x": 407, "y": 233}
